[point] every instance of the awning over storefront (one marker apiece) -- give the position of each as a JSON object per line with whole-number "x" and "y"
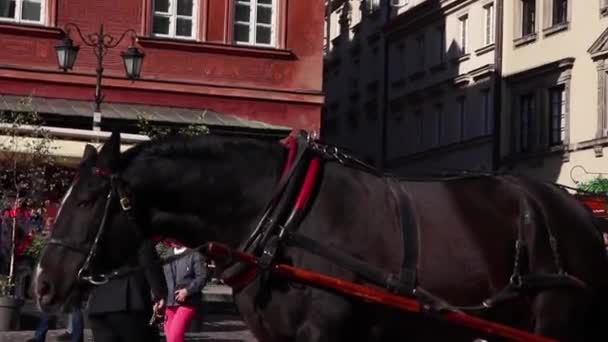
{"x": 124, "y": 111}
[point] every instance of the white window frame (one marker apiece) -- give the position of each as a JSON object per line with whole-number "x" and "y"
{"x": 560, "y": 91}
{"x": 372, "y": 5}
{"x": 252, "y": 23}
{"x": 463, "y": 38}
{"x": 488, "y": 23}
{"x": 19, "y": 14}
{"x": 173, "y": 16}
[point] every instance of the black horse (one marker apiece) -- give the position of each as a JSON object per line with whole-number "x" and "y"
{"x": 209, "y": 188}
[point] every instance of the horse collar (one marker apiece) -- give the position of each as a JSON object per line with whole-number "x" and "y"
{"x": 291, "y": 194}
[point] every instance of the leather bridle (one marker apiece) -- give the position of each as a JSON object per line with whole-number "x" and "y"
{"x": 84, "y": 272}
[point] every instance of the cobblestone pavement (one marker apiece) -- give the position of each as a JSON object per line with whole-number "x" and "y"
{"x": 217, "y": 329}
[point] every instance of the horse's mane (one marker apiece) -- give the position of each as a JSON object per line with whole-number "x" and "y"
{"x": 208, "y": 146}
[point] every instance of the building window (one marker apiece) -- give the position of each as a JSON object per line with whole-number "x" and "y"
{"x": 557, "y": 115}
{"x": 560, "y": 12}
{"x": 23, "y": 11}
{"x": 462, "y": 116}
{"x": 254, "y": 22}
{"x": 488, "y": 15}
{"x": 440, "y": 44}
{"x": 528, "y": 12}
{"x": 372, "y": 5}
{"x": 402, "y": 63}
{"x": 464, "y": 32}
{"x": 439, "y": 120}
{"x": 526, "y": 112}
{"x": 420, "y": 51}
{"x": 174, "y": 18}
{"x": 419, "y": 126}
{"x": 487, "y": 111}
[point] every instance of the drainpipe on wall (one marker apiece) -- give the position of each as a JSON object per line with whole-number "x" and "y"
{"x": 385, "y": 106}
{"x": 497, "y": 134}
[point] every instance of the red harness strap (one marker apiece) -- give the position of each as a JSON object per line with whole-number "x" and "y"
{"x": 243, "y": 278}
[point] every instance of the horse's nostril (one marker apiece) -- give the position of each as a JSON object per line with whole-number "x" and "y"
{"x": 44, "y": 288}
{"x": 44, "y": 291}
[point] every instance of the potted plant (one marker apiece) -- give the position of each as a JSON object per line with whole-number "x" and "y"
{"x": 27, "y": 175}
{"x": 594, "y": 194}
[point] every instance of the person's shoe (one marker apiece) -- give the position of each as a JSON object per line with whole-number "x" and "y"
{"x": 65, "y": 336}
{"x": 33, "y": 339}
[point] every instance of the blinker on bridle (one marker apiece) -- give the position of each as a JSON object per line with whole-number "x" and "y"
{"x": 84, "y": 273}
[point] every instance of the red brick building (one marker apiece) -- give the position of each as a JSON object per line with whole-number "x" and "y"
{"x": 254, "y": 64}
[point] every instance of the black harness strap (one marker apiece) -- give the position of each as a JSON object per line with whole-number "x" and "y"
{"x": 361, "y": 268}
{"x": 409, "y": 237}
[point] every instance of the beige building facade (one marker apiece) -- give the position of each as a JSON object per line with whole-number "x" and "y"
{"x": 554, "y": 114}
{"x": 436, "y": 85}
{"x": 410, "y": 85}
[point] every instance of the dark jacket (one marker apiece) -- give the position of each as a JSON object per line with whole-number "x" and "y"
{"x": 136, "y": 292}
{"x": 188, "y": 272}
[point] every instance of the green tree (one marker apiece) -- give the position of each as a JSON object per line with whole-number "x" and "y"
{"x": 595, "y": 185}
{"x": 27, "y": 172}
{"x": 156, "y": 131}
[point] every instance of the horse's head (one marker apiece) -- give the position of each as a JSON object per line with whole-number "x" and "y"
{"x": 76, "y": 248}
{"x": 189, "y": 189}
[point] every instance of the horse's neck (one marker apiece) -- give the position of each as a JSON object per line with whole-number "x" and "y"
{"x": 194, "y": 206}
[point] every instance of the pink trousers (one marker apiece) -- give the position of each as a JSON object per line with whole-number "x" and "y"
{"x": 177, "y": 319}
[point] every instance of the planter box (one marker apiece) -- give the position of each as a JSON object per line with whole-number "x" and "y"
{"x": 597, "y": 203}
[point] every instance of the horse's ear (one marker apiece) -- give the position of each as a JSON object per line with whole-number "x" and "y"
{"x": 110, "y": 152}
{"x": 90, "y": 152}
{"x": 90, "y": 155}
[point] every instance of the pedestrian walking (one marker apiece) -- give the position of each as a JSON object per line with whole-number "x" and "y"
{"x": 186, "y": 278}
{"x": 74, "y": 331}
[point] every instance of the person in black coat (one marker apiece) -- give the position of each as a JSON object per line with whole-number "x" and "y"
{"x": 120, "y": 310}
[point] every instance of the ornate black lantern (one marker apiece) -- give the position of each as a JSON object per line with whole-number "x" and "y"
{"x": 66, "y": 53}
{"x": 133, "y": 60}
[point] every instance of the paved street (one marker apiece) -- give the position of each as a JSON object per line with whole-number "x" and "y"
{"x": 218, "y": 328}
{"x": 221, "y": 322}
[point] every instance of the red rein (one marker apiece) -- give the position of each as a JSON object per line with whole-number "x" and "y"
{"x": 377, "y": 295}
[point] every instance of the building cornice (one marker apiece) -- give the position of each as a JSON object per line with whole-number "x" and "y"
{"x": 210, "y": 47}
{"x": 30, "y": 30}
{"x": 434, "y": 152}
{"x": 559, "y": 65}
{"x": 599, "y": 48}
{"x": 423, "y": 13}
{"x": 170, "y": 86}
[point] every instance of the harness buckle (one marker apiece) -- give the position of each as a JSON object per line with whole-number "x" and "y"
{"x": 268, "y": 254}
{"x": 125, "y": 203}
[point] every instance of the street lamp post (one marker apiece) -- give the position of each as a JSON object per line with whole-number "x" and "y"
{"x": 102, "y": 42}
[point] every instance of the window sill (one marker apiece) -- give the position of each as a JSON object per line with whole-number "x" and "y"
{"x": 438, "y": 67}
{"x": 29, "y": 30}
{"x": 238, "y": 50}
{"x": 462, "y": 58}
{"x": 485, "y": 49}
{"x": 417, "y": 75}
{"x": 527, "y": 39}
{"x": 535, "y": 154}
{"x": 556, "y": 28}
